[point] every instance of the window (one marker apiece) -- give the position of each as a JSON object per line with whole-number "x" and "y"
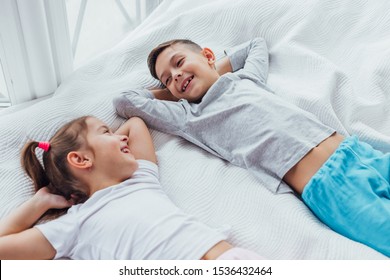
{"x": 95, "y": 26}
{"x": 43, "y": 41}
{"x": 4, "y": 99}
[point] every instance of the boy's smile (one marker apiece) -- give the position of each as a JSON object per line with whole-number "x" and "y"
{"x": 186, "y": 83}
{"x": 187, "y": 74}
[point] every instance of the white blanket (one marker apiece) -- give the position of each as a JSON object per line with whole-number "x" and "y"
{"x": 329, "y": 57}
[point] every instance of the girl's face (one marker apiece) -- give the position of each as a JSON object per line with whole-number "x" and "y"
{"x": 187, "y": 74}
{"x": 111, "y": 154}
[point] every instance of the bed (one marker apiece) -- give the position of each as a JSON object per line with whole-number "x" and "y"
{"x": 329, "y": 57}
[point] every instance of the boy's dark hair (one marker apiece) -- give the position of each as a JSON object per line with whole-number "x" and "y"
{"x": 152, "y": 58}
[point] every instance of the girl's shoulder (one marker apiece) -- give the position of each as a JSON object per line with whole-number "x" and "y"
{"x": 146, "y": 165}
{"x": 147, "y": 170}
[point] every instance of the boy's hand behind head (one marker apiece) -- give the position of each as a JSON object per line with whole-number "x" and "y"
{"x": 163, "y": 94}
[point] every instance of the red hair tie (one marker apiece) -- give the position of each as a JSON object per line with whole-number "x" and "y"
{"x": 44, "y": 146}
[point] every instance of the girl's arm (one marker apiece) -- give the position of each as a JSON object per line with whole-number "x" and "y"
{"x": 140, "y": 141}
{"x": 17, "y": 239}
{"x": 29, "y": 244}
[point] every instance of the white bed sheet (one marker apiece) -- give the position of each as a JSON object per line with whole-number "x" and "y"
{"x": 329, "y": 57}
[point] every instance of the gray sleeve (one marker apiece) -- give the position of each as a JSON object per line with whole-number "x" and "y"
{"x": 251, "y": 57}
{"x": 166, "y": 116}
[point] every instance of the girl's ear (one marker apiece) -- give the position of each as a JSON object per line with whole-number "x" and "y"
{"x": 79, "y": 160}
{"x": 208, "y": 53}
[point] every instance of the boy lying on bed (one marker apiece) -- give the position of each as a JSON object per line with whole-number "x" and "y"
{"x": 235, "y": 116}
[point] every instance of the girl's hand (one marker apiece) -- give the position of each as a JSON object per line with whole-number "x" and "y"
{"x": 51, "y": 201}
{"x": 27, "y": 214}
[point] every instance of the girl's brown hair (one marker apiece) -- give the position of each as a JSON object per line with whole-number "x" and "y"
{"x": 55, "y": 173}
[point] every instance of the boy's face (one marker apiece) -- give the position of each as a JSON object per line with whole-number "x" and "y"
{"x": 186, "y": 73}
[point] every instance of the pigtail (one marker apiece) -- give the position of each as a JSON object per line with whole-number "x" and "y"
{"x": 53, "y": 171}
{"x": 33, "y": 167}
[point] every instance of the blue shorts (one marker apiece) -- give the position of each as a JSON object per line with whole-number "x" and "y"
{"x": 351, "y": 194}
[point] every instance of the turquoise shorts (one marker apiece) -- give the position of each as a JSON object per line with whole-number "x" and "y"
{"x": 351, "y": 194}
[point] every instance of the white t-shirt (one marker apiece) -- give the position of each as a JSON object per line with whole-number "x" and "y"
{"x": 131, "y": 220}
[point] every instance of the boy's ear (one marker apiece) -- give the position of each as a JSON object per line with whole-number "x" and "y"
{"x": 79, "y": 160}
{"x": 208, "y": 53}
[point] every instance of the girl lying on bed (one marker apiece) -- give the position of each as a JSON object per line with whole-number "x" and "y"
{"x": 118, "y": 209}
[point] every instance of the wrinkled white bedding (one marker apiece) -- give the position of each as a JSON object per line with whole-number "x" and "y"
{"x": 329, "y": 57}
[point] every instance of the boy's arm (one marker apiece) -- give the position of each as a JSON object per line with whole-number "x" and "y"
{"x": 18, "y": 239}
{"x": 223, "y": 65}
{"x": 252, "y": 57}
{"x": 165, "y": 116}
{"x": 163, "y": 94}
{"x": 140, "y": 141}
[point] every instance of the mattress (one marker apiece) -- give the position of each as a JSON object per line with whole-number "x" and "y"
{"x": 329, "y": 57}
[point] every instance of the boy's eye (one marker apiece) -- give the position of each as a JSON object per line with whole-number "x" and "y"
{"x": 179, "y": 62}
{"x": 168, "y": 80}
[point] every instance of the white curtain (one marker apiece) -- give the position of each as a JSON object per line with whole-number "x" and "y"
{"x": 36, "y": 47}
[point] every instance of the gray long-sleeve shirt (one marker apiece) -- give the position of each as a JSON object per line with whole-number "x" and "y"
{"x": 239, "y": 119}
